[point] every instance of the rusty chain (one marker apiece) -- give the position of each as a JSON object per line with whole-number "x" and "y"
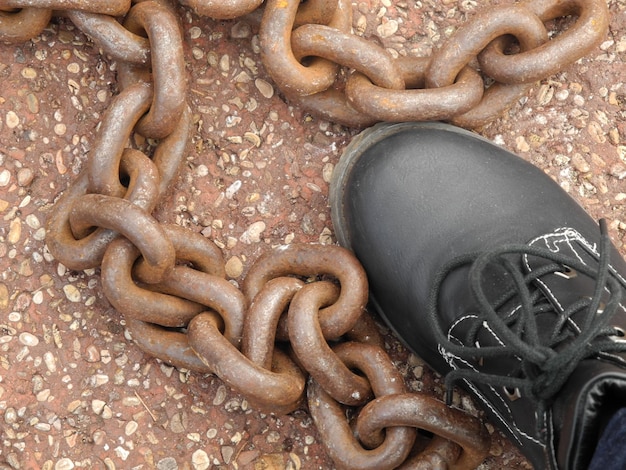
{"x": 170, "y": 284}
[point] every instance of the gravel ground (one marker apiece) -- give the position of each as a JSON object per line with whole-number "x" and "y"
{"x": 74, "y": 391}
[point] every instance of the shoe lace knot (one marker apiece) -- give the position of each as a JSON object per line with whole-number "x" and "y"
{"x": 546, "y": 356}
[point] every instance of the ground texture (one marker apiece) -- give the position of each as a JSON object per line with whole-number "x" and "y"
{"x": 74, "y": 391}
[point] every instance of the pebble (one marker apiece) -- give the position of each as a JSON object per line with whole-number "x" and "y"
{"x": 12, "y": 120}
{"x": 25, "y": 177}
{"x": 15, "y": 231}
{"x": 72, "y": 293}
{"x": 4, "y": 296}
{"x": 97, "y": 406}
{"x": 168, "y": 463}
{"x": 234, "y": 267}
{"x": 64, "y": 464}
{"x": 200, "y": 460}
{"x": 227, "y": 453}
{"x": 50, "y": 361}
{"x": 28, "y": 339}
{"x": 5, "y": 177}
{"x": 122, "y": 453}
{"x": 253, "y": 233}
{"x": 266, "y": 89}
{"x": 387, "y": 28}
{"x": 240, "y": 30}
{"x": 92, "y": 354}
{"x": 130, "y": 428}
{"x": 10, "y": 416}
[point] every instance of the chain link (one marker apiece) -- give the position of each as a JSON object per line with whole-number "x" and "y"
{"x": 301, "y": 312}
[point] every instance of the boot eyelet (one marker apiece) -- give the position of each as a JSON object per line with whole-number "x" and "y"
{"x": 567, "y": 272}
{"x": 619, "y": 334}
{"x": 512, "y": 393}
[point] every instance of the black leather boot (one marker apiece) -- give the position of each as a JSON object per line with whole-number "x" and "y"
{"x": 493, "y": 275}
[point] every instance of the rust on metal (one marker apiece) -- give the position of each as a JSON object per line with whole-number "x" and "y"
{"x": 114, "y": 39}
{"x": 168, "y": 67}
{"x": 316, "y": 260}
{"x": 335, "y": 431}
{"x": 421, "y": 104}
{"x": 136, "y": 301}
{"x": 542, "y": 61}
{"x": 282, "y": 65}
{"x": 105, "y": 7}
{"x": 306, "y": 336}
{"x": 222, "y": 9}
{"x": 429, "y": 414}
{"x": 262, "y": 320}
{"x": 279, "y": 390}
{"x": 24, "y": 24}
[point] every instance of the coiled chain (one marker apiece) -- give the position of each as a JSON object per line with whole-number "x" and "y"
{"x": 299, "y": 328}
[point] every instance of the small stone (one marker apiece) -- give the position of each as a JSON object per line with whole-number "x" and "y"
{"x": 15, "y": 231}
{"x": 388, "y": 28}
{"x": 580, "y": 164}
{"x": 12, "y": 120}
{"x": 130, "y": 428}
{"x": 33, "y": 103}
{"x": 50, "y": 361}
{"x": 5, "y": 178}
{"x": 200, "y": 460}
{"x": 178, "y": 423}
{"x": 266, "y": 89}
{"x": 64, "y": 464}
{"x": 28, "y": 339}
{"x": 122, "y": 453}
{"x": 327, "y": 172}
{"x": 97, "y": 406}
{"x": 29, "y": 73}
{"x": 92, "y": 354}
{"x": 522, "y": 144}
{"x": 234, "y": 267}
{"x": 74, "y": 405}
{"x": 232, "y": 189}
{"x": 240, "y": 30}
{"x": 224, "y": 63}
{"x": 227, "y": 453}
{"x": 107, "y": 413}
{"x": 72, "y": 293}
{"x": 4, "y": 296}
{"x": 168, "y": 463}
{"x": 33, "y": 222}
{"x": 10, "y": 416}
{"x": 253, "y": 233}
{"x": 25, "y": 177}
{"x": 60, "y": 129}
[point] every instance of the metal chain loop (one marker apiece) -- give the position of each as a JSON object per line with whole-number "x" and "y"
{"x": 105, "y": 7}
{"x": 546, "y": 60}
{"x": 306, "y": 335}
{"x": 429, "y": 414}
{"x": 301, "y": 312}
{"x": 282, "y": 65}
{"x": 168, "y": 67}
{"x": 346, "y": 451}
{"x": 115, "y": 40}
{"x": 24, "y": 24}
{"x": 417, "y": 104}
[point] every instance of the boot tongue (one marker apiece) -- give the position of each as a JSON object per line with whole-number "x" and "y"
{"x": 595, "y": 390}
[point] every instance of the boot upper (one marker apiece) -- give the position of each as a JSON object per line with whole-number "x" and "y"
{"x": 411, "y": 199}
